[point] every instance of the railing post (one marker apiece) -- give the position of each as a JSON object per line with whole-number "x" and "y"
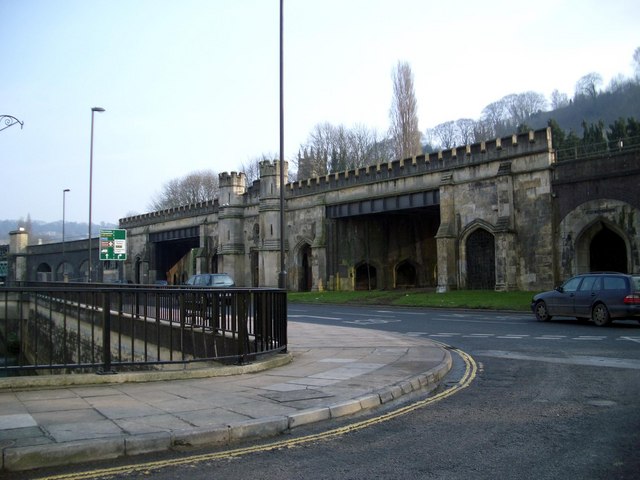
{"x": 243, "y": 333}
{"x": 106, "y": 335}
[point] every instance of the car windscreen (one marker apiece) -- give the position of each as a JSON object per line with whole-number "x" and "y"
{"x": 636, "y": 282}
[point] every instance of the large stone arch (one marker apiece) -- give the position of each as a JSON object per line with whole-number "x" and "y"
{"x": 478, "y": 256}
{"x": 599, "y": 224}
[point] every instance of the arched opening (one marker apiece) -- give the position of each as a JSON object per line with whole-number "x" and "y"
{"x": 138, "y": 270}
{"x": 43, "y": 273}
{"x": 406, "y": 275}
{"x": 607, "y": 252}
{"x": 64, "y": 272}
{"x": 214, "y": 262}
{"x": 481, "y": 260}
{"x": 305, "y": 280}
{"x": 366, "y": 277}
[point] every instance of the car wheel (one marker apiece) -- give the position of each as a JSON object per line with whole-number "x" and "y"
{"x": 540, "y": 309}
{"x": 600, "y": 315}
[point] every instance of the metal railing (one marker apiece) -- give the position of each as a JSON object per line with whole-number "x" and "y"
{"x": 81, "y": 327}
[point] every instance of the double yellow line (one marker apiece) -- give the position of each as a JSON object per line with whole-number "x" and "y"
{"x": 471, "y": 370}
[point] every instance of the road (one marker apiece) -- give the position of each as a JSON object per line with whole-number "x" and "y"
{"x": 550, "y": 400}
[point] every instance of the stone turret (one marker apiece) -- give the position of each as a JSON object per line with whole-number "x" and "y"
{"x": 230, "y": 224}
{"x": 17, "y": 258}
{"x": 270, "y": 221}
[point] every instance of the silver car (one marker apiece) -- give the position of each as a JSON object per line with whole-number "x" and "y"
{"x": 600, "y": 297}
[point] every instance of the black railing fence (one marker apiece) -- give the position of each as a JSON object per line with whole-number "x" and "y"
{"x": 90, "y": 327}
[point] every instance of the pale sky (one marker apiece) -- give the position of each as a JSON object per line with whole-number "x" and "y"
{"x": 194, "y": 84}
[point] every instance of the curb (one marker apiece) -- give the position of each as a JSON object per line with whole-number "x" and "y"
{"x": 68, "y": 380}
{"x": 32, "y": 457}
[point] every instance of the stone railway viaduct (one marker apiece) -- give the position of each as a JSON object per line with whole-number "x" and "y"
{"x": 501, "y": 214}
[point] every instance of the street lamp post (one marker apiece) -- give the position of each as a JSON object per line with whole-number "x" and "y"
{"x": 93, "y": 111}
{"x": 64, "y": 264}
{"x": 282, "y": 277}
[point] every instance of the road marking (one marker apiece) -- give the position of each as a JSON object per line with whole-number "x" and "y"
{"x": 313, "y": 316}
{"x": 631, "y": 339}
{"x": 371, "y": 321}
{"x": 551, "y": 337}
{"x": 590, "y": 361}
{"x": 592, "y": 337}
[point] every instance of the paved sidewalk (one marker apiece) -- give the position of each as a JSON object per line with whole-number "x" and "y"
{"x": 329, "y": 372}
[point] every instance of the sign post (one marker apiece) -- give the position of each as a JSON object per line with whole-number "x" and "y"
{"x": 113, "y": 245}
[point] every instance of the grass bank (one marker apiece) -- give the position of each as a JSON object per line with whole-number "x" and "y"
{"x": 482, "y": 299}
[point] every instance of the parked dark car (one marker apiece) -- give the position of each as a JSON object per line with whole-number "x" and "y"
{"x": 600, "y": 297}
{"x": 213, "y": 280}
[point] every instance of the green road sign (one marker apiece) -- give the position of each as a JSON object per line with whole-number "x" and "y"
{"x": 113, "y": 244}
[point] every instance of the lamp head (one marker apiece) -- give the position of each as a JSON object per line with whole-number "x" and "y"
{"x": 97, "y": 109}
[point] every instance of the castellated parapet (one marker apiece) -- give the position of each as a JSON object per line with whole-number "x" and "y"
{"x": 270, "y": 178}
{"x": 232, "y": 188}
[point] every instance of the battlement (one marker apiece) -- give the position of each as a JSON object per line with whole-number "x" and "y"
{"x": 184, "y": 211}
{"x": 233, "y": 179}
{"x": 516, "y": 145}
{"x": 271, "y": 169}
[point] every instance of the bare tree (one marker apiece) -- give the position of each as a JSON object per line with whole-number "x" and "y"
{"x": 446, "y": 134}
{"x": 587, "y": 86}
{"x": 494, "y": 118}
{"x": 331, "y": 148}
{"x": 404, "y": 130}
{"x": 559, "y": 100}
{"x": 196, "y": 187}
{"x": 251, "y": 169}
{"x": 466, "y": 131}
{"x": 522, "y": 105}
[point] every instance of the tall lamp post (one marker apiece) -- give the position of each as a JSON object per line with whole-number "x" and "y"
{"x": 93, "y": 111}
{"x": 64, "y": 263}
{"x": 282, "y": 277}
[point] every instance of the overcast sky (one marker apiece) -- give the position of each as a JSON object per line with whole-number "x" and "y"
{"x": 190, "y": 85}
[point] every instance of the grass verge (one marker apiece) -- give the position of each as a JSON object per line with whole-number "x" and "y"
{"x": 481, "y": 299}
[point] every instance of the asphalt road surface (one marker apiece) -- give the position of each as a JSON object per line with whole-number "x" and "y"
{"x": 556, "y": 400}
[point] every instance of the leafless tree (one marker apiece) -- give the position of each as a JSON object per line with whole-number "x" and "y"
{"x": 521, "y": 106}
{"x": 559, "y": 100}
{"x": 194, "y": 187}
{"x": 466, "y": 130}
{"x": 251, "y": 169}
{"x": 331, "y": 148}
{"x": 587, "y": 86}
{"x": 494, "y": 118}
{"x": 446, "y": 134}
{"x": 636, "y": 62}
{"x": 404, "y": 130}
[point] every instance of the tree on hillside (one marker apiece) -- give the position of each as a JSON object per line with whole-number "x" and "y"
{"x": 636, "y": 63}
{"x": 559, "y": 100}
{"x": 587, "y": 86}
{"x": 332, "y": 148}
{"x": 195, "y": 187}
{"x": 404, "y": 130}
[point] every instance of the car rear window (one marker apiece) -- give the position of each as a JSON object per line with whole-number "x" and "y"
{"x": 636, "y": 283}
{"x": 614, "y": 283}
